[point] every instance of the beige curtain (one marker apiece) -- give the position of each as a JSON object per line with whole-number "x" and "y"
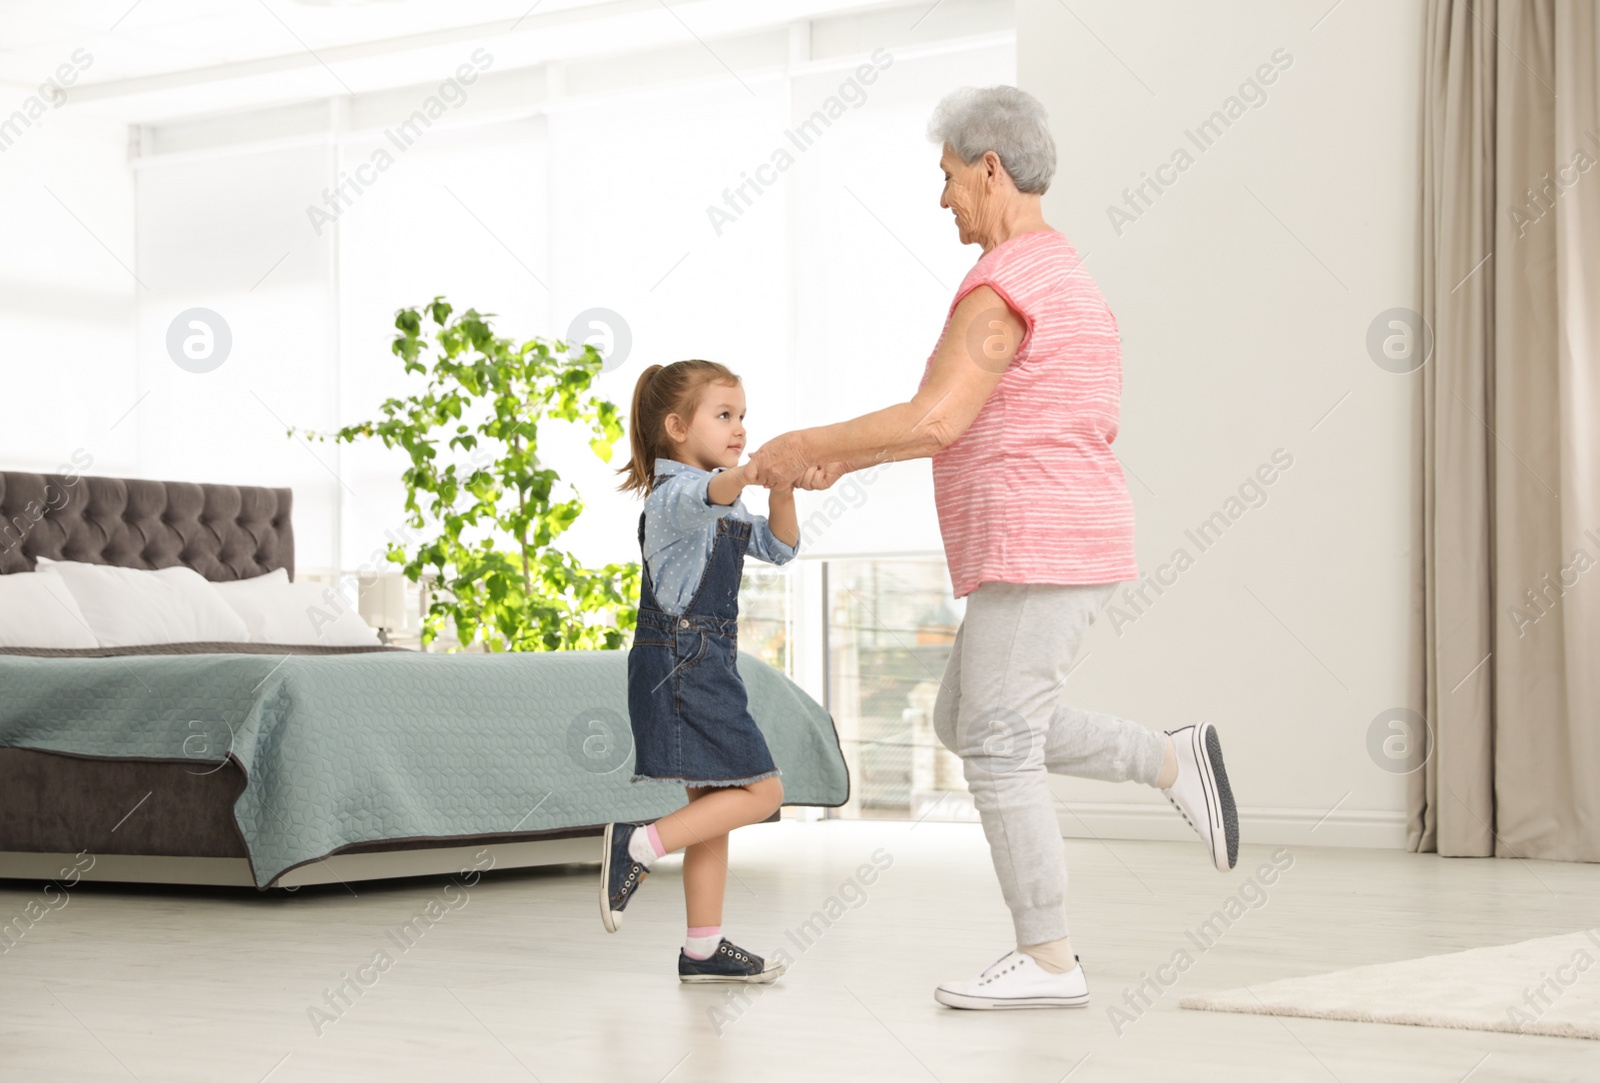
{"x": 1508, "y": 554}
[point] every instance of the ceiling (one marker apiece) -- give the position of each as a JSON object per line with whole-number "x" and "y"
{"x": 155, "y": 60}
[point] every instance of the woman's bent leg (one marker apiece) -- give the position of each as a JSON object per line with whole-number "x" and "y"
{"x": 1088, "y": 744}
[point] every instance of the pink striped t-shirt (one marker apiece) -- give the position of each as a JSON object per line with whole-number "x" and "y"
{"x": 1030, "y": 492}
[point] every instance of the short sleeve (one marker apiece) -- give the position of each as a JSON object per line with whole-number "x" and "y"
{"x": 1015, "y": 275}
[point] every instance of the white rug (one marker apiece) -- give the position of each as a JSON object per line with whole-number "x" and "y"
{"x": 1546, "y": 986}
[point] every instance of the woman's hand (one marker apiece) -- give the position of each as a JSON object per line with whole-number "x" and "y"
{"x": 779, "y": 461}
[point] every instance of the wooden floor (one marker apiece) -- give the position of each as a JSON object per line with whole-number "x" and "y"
{"x": 516, "y": 980}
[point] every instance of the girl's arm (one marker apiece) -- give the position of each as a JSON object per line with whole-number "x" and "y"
{"x": 781, "y": 518}
{"x": 726, "y": 486}
{"x": 724, "y": 489}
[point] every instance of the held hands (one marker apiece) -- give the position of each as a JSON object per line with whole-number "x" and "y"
{"x": 815, "y": 477}
{"x": 779, "y": 465}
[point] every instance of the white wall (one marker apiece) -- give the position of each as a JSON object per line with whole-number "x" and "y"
{"x": 68, "y": 297}
{"x": 1244, "y": 293}
{"x": 228, "y": 233}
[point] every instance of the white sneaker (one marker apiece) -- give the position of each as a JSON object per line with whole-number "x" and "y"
{"x": 1201, "y": 792}
{"x": 1017, "y": 981}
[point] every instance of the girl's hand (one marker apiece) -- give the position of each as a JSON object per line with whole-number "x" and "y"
{"x": 820, "y": 477}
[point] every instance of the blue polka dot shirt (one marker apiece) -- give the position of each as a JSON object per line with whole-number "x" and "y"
{"x": 680, "y": 531}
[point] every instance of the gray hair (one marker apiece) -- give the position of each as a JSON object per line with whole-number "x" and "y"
{"x": 1008, "y": 121}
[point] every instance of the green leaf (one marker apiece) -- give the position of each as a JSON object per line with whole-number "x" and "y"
{"x": 484, "y": 534}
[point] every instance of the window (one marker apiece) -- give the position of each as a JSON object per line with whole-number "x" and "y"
{"x": 766, "y": 626}
{"x": 889, "y": 630}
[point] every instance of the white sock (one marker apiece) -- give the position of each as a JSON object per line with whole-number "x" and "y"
{"x": 704, "y": 945}
{"x": 1054, "y": 955}
{"x": 1169, "y": 762}
{"x": 639, "y": 847}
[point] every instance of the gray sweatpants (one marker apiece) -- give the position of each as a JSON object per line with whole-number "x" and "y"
{"x": 998, "y": 709}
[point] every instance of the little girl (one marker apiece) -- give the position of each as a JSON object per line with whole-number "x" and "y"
{"x": 686, "y": 702}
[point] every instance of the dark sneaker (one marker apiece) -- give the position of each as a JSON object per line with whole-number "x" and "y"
{"x": 728, "y": 963}
{"x": 620, "y": 874}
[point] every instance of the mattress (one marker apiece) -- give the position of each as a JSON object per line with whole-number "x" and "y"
{"x": 339, "y": 749}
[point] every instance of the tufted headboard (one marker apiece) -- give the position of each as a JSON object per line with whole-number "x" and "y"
{"x": 223, "y": 532}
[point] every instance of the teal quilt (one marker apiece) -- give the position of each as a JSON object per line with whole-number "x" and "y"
{"x": 341, "y": 749}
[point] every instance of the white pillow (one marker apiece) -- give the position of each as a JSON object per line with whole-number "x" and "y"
{"x": 134, "y": 607}
{"x": 296, "y": 614}
{"x": 38, "y": 610}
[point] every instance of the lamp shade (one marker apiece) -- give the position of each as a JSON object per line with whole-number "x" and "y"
{"x": 383, "y": 600}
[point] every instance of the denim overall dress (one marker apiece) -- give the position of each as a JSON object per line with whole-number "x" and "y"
{"x": 686, "y": 701}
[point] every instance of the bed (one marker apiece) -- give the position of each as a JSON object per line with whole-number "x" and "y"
{"x": 274, "y": 767}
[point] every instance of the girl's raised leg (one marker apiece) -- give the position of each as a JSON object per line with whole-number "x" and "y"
{"x": 716, "y": 810}
{"x": 701, "y": 828}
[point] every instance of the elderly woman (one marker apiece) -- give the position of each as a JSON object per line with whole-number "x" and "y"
{"x": 1018, "y": 408}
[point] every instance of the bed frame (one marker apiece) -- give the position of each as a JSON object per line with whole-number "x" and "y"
{"x": 158, "y": 821}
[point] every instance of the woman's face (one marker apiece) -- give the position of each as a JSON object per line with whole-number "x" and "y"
{"x": 716, "y": 436}
{"x": 966, "y": 194}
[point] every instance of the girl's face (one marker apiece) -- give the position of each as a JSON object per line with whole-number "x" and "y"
{"x": 716, "y": 435}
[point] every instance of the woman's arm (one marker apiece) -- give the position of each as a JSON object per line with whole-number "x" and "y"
{"x": 977, "y": 346}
